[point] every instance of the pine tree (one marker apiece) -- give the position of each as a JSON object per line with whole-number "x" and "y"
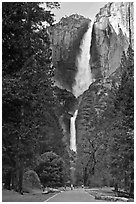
{"x": 123, "y": 128}
{"x": 27, "y": 83}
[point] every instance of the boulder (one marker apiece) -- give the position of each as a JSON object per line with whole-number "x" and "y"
{"x": 31, "y": 182}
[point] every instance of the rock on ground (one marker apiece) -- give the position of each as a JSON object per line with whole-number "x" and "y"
{"x": 31, "y": 182}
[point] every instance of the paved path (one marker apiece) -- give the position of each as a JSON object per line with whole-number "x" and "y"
{"x": 77, "y": 195}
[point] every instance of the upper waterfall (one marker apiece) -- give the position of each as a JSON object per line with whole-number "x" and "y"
{"x": 83, "y": 77}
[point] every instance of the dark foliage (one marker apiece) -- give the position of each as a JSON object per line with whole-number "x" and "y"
{"x": 50, "y": 169}
{"x": 106, "y": 124}
{"x": 29, "y": 101}
{"x": 122, "y": 149}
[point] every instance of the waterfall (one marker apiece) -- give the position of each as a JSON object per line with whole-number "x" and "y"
{"x": 83, "y": 77}
{"x": 73, "y": 132}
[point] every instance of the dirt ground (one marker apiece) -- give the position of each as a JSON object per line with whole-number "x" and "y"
{"x": 12, "y": 196}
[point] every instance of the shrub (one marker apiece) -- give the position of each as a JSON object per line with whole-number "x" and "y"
{"x": 51, "y": 170}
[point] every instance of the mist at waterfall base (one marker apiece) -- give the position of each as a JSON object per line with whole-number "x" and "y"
{"x": 83, "y": 78}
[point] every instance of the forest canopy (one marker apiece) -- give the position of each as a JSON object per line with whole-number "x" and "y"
{"x": 30, "y": 106}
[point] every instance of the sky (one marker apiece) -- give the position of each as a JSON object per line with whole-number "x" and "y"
{"x": 86, "y": 9}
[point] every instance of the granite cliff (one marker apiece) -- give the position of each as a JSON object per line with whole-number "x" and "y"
{"x": 112, "y": 32}
{"x": 111, "y": 35}
{"x": 65, "y": 39}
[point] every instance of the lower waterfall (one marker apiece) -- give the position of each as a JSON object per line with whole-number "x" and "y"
{"x": 73, "y": 132}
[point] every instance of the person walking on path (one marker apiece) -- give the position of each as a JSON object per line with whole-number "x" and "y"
{"x": 72, "y": 187}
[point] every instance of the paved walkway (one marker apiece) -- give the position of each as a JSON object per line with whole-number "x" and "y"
{"x": 77, "y": 195}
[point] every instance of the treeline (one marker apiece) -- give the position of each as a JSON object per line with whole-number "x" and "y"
{"x": 105, "y": 126}
{"x": 122, "y": 128}
{"x": 30, "y": 106}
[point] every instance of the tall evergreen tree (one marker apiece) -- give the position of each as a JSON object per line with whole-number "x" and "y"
{"x": 28, "y": 94}
{"x": 122, "y": 151}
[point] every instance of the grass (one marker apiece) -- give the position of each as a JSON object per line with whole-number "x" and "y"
{"x": 12, "y": 196}
{"x": 104, "y": 191}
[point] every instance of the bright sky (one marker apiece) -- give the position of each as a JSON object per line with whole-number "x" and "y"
{"x": 86, "y": 9}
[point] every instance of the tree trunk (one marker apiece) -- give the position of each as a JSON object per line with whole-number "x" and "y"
{"x": 131, "y": 191}
{"x": 15, "y": 175}
{"x": 13, "y": 179}
{"x": 116, "y": 187}
{"x": 20, "y": 158}
{"x": 20, "y": 179}
{"x": 8, "y": 180}
{"x": 125, "y": 182}
{"x": 85, "y": 178}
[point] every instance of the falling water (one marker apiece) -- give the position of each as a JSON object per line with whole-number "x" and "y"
{"x": 73, "y": 132}
{"x": 83, "y": 77}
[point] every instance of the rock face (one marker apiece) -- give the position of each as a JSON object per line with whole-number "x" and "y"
{"x": 112, "y": 34}
{"x": 113, "y": 31}
{"x": 31, "y": 182}
{"x": 65, "y": 39}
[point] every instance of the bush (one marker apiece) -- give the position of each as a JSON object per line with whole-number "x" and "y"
{"x": 51, "y": 170}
